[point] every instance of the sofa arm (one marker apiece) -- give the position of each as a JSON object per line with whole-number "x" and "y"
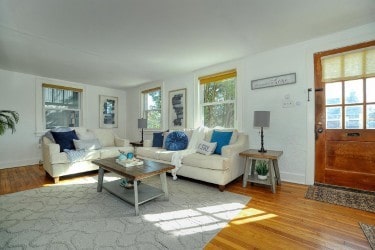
{"x": 121, "y": 142}
{"x": 52, "y": 149}
{"x": 240, "y": 145}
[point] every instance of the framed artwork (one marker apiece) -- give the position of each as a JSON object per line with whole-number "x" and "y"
{"x": 108, "y": 106}
{"x": 177, "y": 109}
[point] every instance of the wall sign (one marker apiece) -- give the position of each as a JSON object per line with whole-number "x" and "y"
{"x": 273, "y": 81}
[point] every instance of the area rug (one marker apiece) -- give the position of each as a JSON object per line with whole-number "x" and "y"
{"x": 363, "y": 200}
{"x": 369, "y": 232}
{"x": 78, "y": 217}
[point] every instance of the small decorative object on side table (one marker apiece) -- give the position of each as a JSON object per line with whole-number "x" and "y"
{"x": 271, "y": 157}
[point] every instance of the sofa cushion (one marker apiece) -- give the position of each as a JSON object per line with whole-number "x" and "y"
{"x": 105, "y": 136}
{"x": 165, "y": 155}
{"x": 222, "y": 139}
{"x": 157, "y": 139}
{"x": 89, "y": 144}
{"x": 84, "y": 134}
{"x": 108, "y": 152}
{"x": 63, "y": 157}
{"x": 65, "y": 139}
{"x": 151, "y": 153}
{"x": 176, "y": 140}
{"x": 206, "y": 148}
{"x": 215, "y": 162}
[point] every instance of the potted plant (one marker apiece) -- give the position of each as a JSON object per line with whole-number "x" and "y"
{"x": 261, "y": 167}
{"x": 8, "y": 120}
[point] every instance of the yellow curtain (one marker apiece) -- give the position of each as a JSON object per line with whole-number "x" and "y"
{"x": 218, "y": 76}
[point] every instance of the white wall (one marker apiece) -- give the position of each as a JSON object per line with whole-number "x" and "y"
{"x": 22, "y": 92}
{"x": 291, "y": 129}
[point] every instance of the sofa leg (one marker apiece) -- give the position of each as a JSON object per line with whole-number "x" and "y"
{"x": 221, "y": 188}
{"x": 56, "y": 179}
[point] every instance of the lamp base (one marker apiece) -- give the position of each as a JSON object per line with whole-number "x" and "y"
{"x": 262, "y": 150}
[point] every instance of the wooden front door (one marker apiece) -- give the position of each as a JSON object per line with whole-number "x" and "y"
{"x": 345, "y": 120}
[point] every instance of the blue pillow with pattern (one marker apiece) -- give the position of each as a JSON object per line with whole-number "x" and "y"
{"x": 176, "y": 140}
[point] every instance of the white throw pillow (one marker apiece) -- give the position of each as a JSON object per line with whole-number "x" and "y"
{"x": 89, "y": 144}
{"x": 206, "y": 148}
{"x": 86, "y": 135}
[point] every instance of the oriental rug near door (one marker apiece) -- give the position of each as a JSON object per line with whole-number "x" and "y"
{"x": 358, "y": 199}
{"x": 369, "y": 232}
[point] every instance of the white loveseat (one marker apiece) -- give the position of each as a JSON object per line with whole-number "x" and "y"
{"x": 58, "y": 164}
{"x": 216, "y": 169}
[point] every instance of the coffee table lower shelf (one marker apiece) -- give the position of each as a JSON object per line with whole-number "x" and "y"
{"x": 145, "y": 192}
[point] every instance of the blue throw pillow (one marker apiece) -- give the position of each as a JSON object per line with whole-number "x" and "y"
{"x": 176, "y": 140}
{"x": 65, "y": 139}
{"x": 157, "y": 140}
{"x": 222, "y": 139}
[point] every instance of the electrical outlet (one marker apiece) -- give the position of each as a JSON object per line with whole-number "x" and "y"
{"x": 287, "y": 103}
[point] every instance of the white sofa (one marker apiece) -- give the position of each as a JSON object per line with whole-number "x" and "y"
{"x": 216, "y": 169}
{"x": 57, "y": 163}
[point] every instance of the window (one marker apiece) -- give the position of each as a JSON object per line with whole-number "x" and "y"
{"x": 62, "y": 106}
{"x": 151, "y": 104}
{"x": 350, "y": 89}
{"x": 218, "y": 99}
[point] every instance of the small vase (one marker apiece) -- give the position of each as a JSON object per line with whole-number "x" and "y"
{"x": 262, "y": 177}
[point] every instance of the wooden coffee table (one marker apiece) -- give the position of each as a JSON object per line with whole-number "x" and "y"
{"x": 141, "y": 193}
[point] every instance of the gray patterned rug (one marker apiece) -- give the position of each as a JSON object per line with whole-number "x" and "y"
{"x": 369, "y": 232}
{"x": 78, "y": 217}
{"x": 363, "y": 200}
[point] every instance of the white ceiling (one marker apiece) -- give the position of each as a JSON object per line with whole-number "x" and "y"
{"x": 124, "y": 43}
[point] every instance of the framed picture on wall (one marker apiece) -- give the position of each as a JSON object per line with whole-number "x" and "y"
{"x": 177, "y": 109}
{"x": 108, "y": 107}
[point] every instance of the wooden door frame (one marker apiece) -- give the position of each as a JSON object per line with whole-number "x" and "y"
{"x": 320, "y": 143}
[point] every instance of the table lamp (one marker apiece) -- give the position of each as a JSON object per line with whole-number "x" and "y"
{"x": 142, "y": 123}
{"x": 262, "y": 119}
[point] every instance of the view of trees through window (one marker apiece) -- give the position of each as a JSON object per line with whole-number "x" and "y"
{"x": 61, "y": 107}
{"x": 152, "y": 108}
{"x": 218, "y": 105}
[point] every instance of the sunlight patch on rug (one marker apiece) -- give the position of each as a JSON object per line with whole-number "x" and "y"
{"x": 205, "y": 218}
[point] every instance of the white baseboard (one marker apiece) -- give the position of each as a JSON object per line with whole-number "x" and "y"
{"x": 19, "y": 163}
{"x": 292, "y": 177}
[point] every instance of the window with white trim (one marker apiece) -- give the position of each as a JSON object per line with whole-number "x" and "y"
{"x": 151, "y": 107}
{"x": 218, "y": 99}
{"x": 62, "y": 106}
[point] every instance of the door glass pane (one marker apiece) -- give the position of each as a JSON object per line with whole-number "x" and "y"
{"x": 333, "y": 93}
{"x": 370, "y": 117}
{"x": 354, "y": 117}
{"x": 333, "y": 118}
{"x": 354, "y": 91}
{"x": 370, "y": 89}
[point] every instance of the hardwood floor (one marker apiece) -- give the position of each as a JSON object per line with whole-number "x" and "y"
{"x": 284, "y": 220}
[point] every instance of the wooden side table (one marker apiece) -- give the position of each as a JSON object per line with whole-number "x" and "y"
{"x": 274, "y": 174}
